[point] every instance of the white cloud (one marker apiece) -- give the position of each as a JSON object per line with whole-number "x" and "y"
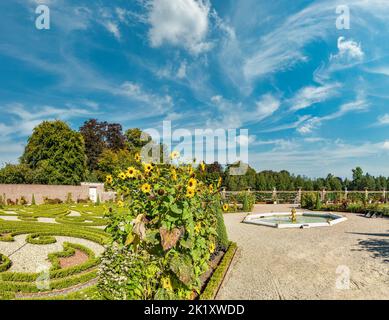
{"x": 24, "y": 119}
{"x": 311, "y": 95}
{"x": 266, "y": 106}
{"x": 113, "y": 28}
{"x": 360, "y": 104}
{"x": 134, "y": 91}
{"x": 180, "y": 23}
{"x": 385, "y": 145}
{"x": 349, "y": 50}
{"x": 245, "y": 140}
{"x": 263, "y": 53}
{"x": 234, "y": 115}
{"x": 383, "y": 120}
{"x": 181, "y": 73}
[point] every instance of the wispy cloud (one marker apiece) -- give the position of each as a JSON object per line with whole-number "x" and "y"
{"x": 311, "y": 95}
{"x": 24, "y": 118}
{"x": 383, "y": 120}
{"x": 360, "y": 104}
{"x": 266, "y": 106}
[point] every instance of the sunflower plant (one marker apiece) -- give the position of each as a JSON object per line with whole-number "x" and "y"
{"x": 169, "y": 229}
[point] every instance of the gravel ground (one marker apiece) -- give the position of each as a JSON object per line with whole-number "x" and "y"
{"x": 302, "y": 264}
{"x": 47, "y": 220}
{"x": 74, "y": 214}
{"x": 9, "y": 218}
{"x": 28, "y": 257}
{"x": 40, "y": 219}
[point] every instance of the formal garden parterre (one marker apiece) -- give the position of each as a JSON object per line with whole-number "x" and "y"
{"x": 39, "y": 235}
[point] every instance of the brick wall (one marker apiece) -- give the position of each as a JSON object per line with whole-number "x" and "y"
{"x": 16, "y": 191}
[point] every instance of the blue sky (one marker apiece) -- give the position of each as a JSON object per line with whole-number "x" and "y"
{"x": 314, "y": 98}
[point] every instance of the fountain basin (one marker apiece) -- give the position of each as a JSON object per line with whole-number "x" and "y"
{"x": 282, "y": 220}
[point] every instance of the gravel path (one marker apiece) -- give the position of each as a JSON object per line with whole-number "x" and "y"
{"x": 74, "y": 214}
{"x": 10, "y": 218}
{"x": 28, "y": 257}
{"x": 302, "y": 264}
{"x": 39, "y": 219}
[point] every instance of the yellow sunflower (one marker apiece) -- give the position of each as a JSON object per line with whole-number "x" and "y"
{"x": 148, "y": 167}
{"x": 212, "y": 247}
{"x": 192, "y": 183}
{"x": 202, "y": 166}
{"x": 219, "y": 183}
{"x": 175, "y": 155}
{"x": 174, "y": 174}
{"x": 109, "y": 179}
{"x": 197, "y": 227}
{"x": 120, "y": 204}
{"x": 131, "y": 172}
{"x": 211, "y": 188}
{"x": 146, "y": 188}
{"x": 226, "y": 207}
{"x": 167, "y": 284}
{"x": 137, "y": 157}
{"x": 122, "y": 175}
{"x": 190, "y": 193}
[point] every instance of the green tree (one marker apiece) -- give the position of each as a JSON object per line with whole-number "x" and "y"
{"x": 57, "y": 153}
{"x": 112, "y": 161}
{"x": 134, "y": 139}
{"x": 357, "y": 183}
{"x": 16, "y": 174}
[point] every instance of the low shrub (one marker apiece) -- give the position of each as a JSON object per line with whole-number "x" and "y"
{"x": 217, "y": 277}
{"x": 52, "y": 201}
{"x": 23, "y": 201}
{"x": 37, "y": 238}
{"x": 308, "y": 200}
{"x": 248, "y": 200}
{"x": 69, "y": 199}
{"x": 82, "y": 200}
{"x": 5, "y": 263}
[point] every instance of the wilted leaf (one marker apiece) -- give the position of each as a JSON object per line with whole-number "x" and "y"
{"x": 138, "y": 226}
{"x": 170, "y": 238}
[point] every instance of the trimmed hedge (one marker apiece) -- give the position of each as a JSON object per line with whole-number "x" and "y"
{"x": 5, "y": 263}
{"x": 217, "y": 277}
{"x": 37, "y": 238}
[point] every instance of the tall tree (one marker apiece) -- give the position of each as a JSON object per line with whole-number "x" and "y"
{"x": 136, "y": 139}
{"x": 93, "y": 133}
{"x": 114, "y": 138}
{"x": 57, "y": 153}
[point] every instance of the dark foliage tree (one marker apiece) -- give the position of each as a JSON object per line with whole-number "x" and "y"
{"x": 93, "y": 133}
{"x": 114, "y": 138}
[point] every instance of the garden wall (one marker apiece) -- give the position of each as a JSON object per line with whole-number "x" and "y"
{"x": 85, "y": 191}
